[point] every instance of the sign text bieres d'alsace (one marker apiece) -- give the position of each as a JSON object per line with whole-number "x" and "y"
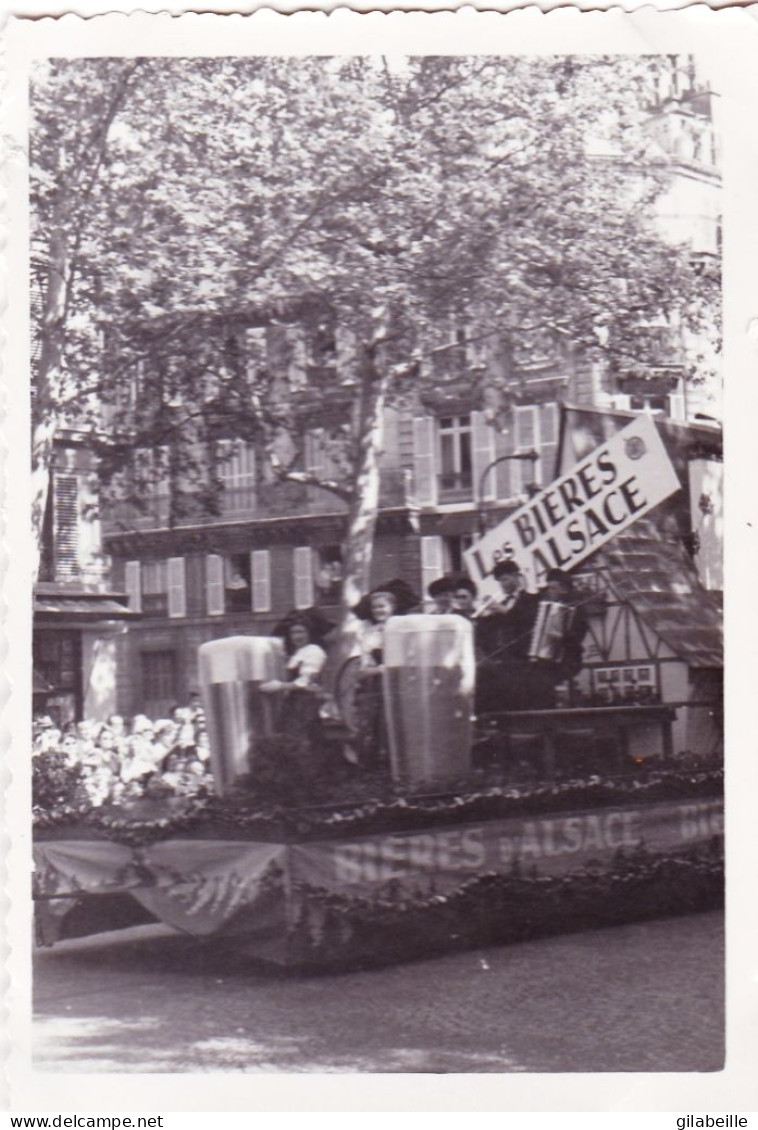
{"x": 602, "y": 495}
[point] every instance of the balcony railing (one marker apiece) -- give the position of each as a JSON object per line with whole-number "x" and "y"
{"x": 266, "y": 500}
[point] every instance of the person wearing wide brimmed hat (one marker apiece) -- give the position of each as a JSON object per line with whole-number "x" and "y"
{"x": 318, "y": 625}
{"x": 403, "y": 596}
{"x": 391, "y": 598}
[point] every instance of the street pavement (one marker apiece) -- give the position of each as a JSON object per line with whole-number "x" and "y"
{"x": 641, "y": 997}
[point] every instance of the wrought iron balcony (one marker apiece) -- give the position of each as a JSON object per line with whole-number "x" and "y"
{"x": 264, "y": 500}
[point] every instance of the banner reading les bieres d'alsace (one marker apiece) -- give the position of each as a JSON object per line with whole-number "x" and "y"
{"x": 605, "y": 492}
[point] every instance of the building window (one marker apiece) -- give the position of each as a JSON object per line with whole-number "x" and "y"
{"x": 154, "y": 584}
{"x": 159, "y": 682}
{"x": 237, "y": 581}
{"x": 625, "y": 684}
{"x": 327, "y": 564}
{"x": 151, "y": 481}
{"x": 57, "y": 665}
{"x": 654, "y": 405}
{"x": 453, "y": 549}
{"x": 321, "y": 344}
{"x": 455, "y": 459}
{"x": 236, "y": 471}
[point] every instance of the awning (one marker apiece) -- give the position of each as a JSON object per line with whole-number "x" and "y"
{"x": 53, "y": 604}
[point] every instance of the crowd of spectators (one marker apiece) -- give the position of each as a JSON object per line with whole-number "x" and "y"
{"x": 121, "y": 760}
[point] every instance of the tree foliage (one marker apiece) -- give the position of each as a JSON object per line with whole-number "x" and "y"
{"x": 409, "y": 207}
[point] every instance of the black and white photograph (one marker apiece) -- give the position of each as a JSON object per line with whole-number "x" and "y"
{"x": 377, "y": 719}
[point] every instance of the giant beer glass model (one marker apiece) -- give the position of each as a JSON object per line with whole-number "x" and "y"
{"x": 236, "y": 711}
{"x": 428, "y": 696}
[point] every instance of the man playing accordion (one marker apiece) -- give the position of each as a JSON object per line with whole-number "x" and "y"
{"x": 526, "y": 644}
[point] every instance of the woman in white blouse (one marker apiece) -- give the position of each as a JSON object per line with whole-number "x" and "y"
{"x": 305, "y": 660}
{"x": 301, "y": 691}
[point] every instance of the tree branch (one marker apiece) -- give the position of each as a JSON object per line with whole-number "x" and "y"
{"x": 101, "y": 134}
{"x": 306, "y": 478}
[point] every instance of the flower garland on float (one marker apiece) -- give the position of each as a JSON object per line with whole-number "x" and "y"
{"x": 251, "y": 816}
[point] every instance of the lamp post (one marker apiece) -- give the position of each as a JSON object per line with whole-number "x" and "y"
{"x": 530, "y": 456}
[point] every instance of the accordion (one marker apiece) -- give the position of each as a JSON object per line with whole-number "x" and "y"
{"x": 549, "y": 632}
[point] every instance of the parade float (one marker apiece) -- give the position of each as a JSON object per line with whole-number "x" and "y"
{"x": 431, "y": 856}
{"x": 469, "y": 835}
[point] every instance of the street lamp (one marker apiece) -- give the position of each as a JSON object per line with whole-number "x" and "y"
{"x": 530, "y": 456}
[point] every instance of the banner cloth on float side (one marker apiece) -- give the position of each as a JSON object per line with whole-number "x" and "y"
{"x": 201, "y": 886}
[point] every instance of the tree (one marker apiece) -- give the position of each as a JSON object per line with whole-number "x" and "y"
{"x": 411, "y": 207}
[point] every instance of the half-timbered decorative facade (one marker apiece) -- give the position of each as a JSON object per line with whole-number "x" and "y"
{"x": 653, "y": 594}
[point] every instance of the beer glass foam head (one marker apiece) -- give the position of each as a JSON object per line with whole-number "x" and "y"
{"x": 231, "y": 672}
{"x": 424, "y": 640}
{"x": 241, "y": 658}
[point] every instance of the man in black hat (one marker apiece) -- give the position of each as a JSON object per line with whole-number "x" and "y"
{"x": 441, "y": 591}
{"x": 465, "y": 593}
{"x": 503, "y": 634}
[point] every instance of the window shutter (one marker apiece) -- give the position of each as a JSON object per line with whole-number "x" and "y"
{"x": 260, "y": 572}
{"x": 254, "y": 349}
{"x": 477, "y": 353}
{"x": 548, "y": 442}
{"x": 66, "y": 536}
{"x": 431, "y": 562}
{"x": 303, "y": 570}
{"x": 677, "y": 408}
{"x": 425, "y": 479}
{"x": 483, "y": 435}
{"x": 315, "y": 456}
{"x": 297, "y": 360}
{"x": 214, "y": 584}
{"x": 247, "y": 466}
{"x": 347, "y": 349}
{"x": 527, "y": 425}
{"x": 177, "y": 588}
{"x": 133, "y": 585}
{"x": 162, "y": 458}
{"x": 502, "y": 473}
